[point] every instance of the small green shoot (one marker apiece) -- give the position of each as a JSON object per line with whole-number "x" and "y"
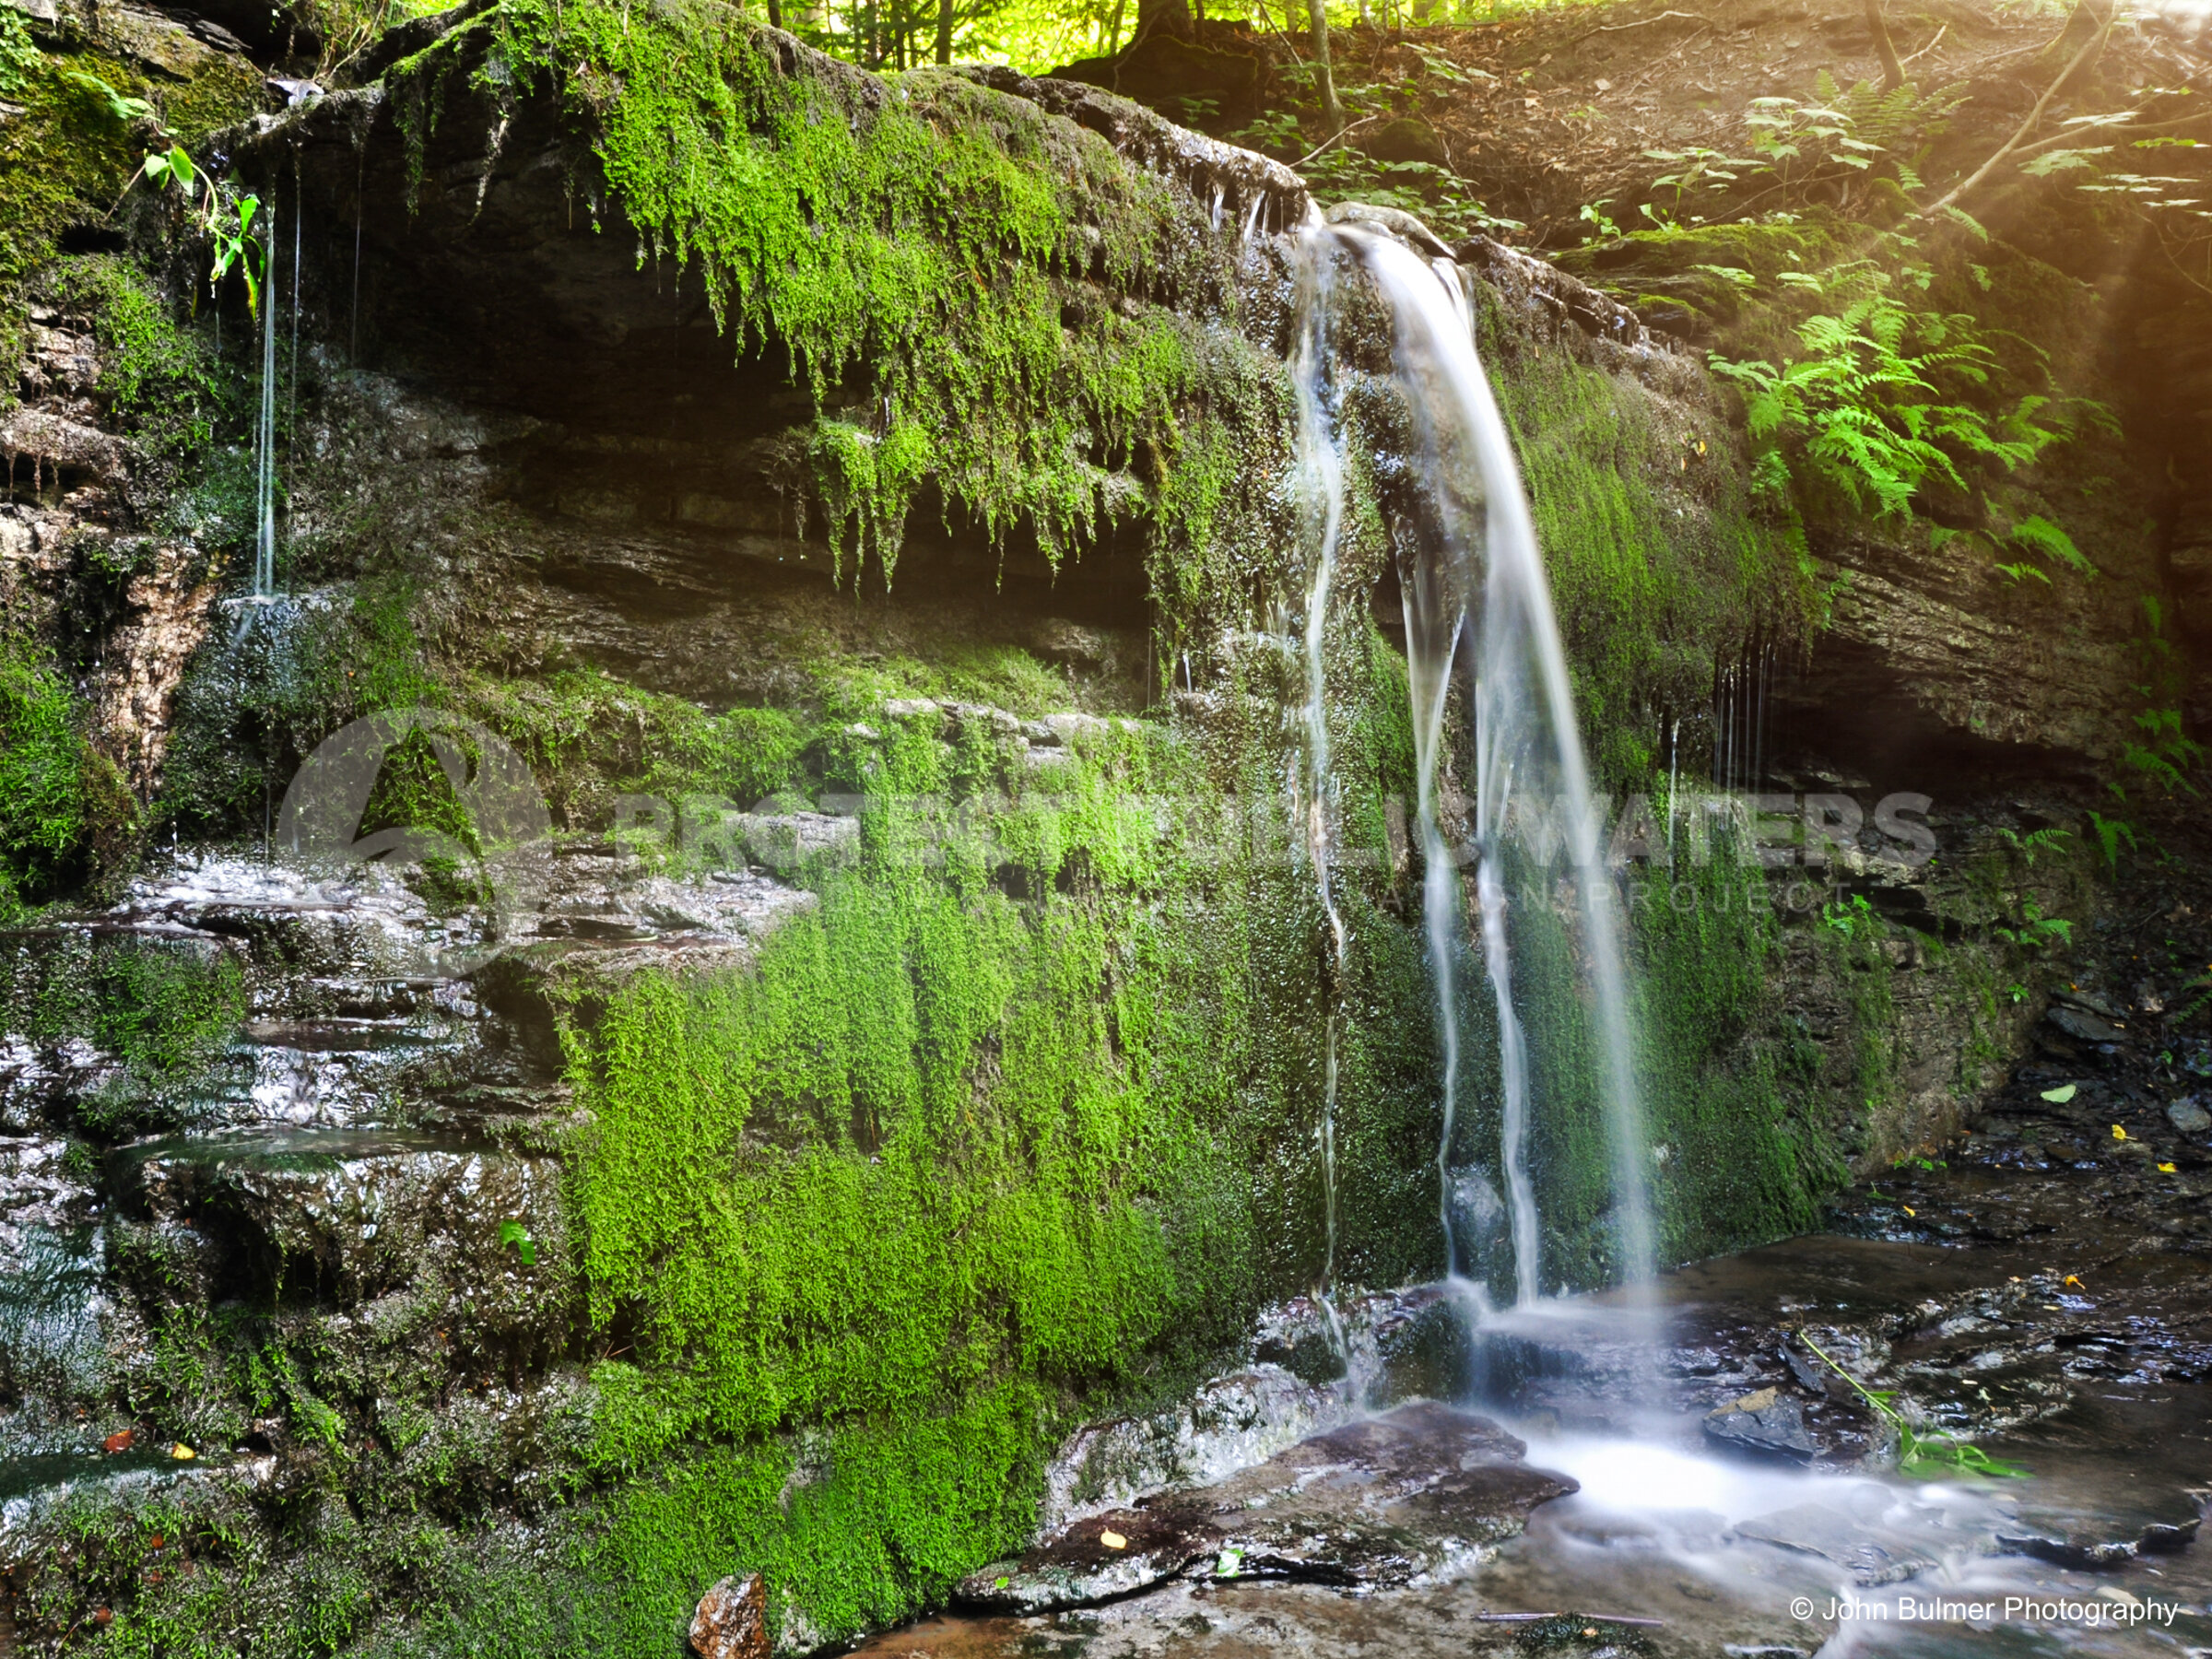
{"x": 514, "y": 1233}
{"x": 1918, "y": 1454}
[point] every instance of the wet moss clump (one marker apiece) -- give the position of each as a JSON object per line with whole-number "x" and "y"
{"x": 43, "y": 758}
{"x": 1662, "y": 563}
{"x": 72, "y": 143}
{"x": 980, "y": 297}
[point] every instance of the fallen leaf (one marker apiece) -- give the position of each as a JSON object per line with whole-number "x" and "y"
{"x": 2118, "y": 1132}
{"x": 1908, "y": 1209}
{"x": 103, "y": 1618}
{"x": 120, "y": 1440}
{"x": 155, "y": 1542}
{"x": 2070, "y": 1279}
{"x": 1113, "y": 1541}
{"x": 1604, "y": 84}
{"x": 182, "y": 1453}
{"x": 2062, "y": 1094}
{"x": 2165, "y": 1169}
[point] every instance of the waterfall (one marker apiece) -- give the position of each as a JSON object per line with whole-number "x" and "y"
{"x": 1322, "y": 480}
{"x": 1475, "y": 588}
{"x": 264, "y": 429}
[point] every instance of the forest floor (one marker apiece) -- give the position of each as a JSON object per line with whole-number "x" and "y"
{"x": 1546, "y": 112}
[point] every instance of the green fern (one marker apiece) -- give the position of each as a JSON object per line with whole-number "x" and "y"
{"x": 2111, "y": 832}
{"x": 1878, "y": 408}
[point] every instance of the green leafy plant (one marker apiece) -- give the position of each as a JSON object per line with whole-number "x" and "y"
{"x": 1918, "y": 1454}
{"x": 1840, "y": 132}
{"x": 1854, "y": 918}
{"x": 20, "y": 55}
{"x": 1878, "y": 407}
{"x": 2111, "y": 832}
{"x": 2036, "y": 840}
{"x": 2164, "y": 754}
{"x": 118, "y": 107}
{"x": 217, "y": 212}
{"x": 514, "y": 1235}
{"x": 2035, "y": 930}
{"x": 1697, "y": 168}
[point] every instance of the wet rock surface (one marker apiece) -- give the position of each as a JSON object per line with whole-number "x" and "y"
{"x": 2026, "y": 1309}
{"x": 1231, "y": 1423}
{"x": 263, "y": 1089}
{"x": 732, "y": 1620}
{"x": 1380, "y": 1502}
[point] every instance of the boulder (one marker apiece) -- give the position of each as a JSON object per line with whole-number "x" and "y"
{"x": 1375, "y": 1504}
{"x": 1766, "y": 1423}
{"x": 731, "y": 1622}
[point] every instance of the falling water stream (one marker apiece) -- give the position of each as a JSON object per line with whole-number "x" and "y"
{"x": 265, "y": 428}
{"x": 1321, "y": 460}
{"x": 1477, "y": 596}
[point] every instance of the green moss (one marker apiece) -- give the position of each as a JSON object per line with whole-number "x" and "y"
{"x": 1660, "y": 567}
{"x": 1743, "y": 1161}
{"x": 52, "y": 782}
{"x": 64, "y": 158}
{"x": 156, "y": 378}
{"x": 166, "y": 1014}
{"x": 921, "y": 247}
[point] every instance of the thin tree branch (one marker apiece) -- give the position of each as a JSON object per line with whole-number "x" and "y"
{"x": 2035, "y": 115}
{"x": 1339, "y": 133}
{"x": 1641, "y": 23}
{"x": 2115, "y": 125}
{"x": 1931, "y": 45}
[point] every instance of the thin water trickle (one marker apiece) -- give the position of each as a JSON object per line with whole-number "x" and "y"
{"x": 1674, "y": 782}
{"x": 292, "y": 428}
{"x": 1758, "y": 721}
{"x": 1475, "y": 560}
{"x": 1321, "y": 487}
{"x": 264, "y": 432}
{"x": 1253, "y": 214}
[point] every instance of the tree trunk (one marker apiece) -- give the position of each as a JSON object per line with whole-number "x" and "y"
{"x": 944, "y": 31}
{"x": 2084, "y": 28}
{"x": 1332, "y": 112}
{"x": 1894, "y": 71}
{"x": 775, "y": 14}
{"x": 1162, "y": 18}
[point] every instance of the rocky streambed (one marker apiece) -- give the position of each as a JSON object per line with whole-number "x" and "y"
{"x": 1972, "y": 1416}
{"x": 1691, "y": 1478}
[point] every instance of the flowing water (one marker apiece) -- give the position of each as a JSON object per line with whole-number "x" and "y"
{"x": 1322, "y": 459}
{"x": 1477, "y": 600}
{"x": 264, "y": 426}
